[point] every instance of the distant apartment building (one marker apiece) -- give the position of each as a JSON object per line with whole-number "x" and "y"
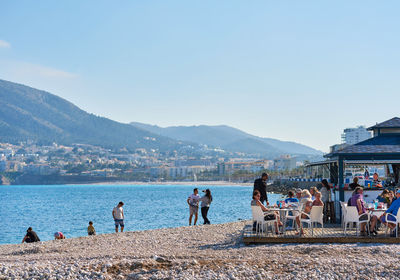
{"x": 178, "y": 171}
{"x": 14, "y": 166}
{"x": 185, "y": 171}
{"x": 355, "y": 135}
{"x": 226, "y": 168}
{"x": 285, "y": 162}
{"x": 98, "y": 173}
{"x": 40, "y": 169}
{"x": 8, "y": 152}
{"x": 3, "y": 166}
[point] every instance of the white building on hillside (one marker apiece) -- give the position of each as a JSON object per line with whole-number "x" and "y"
{"x": 285, "y": 162}
{"x": 355, "y": 135}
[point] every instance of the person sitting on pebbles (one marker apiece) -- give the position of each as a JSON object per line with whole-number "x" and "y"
{"x": 30, "y": 236}
{"x": 59, "y": 235}
{"x": 90, "y": 229}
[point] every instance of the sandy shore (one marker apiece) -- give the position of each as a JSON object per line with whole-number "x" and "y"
{"x": 198, "y": 252}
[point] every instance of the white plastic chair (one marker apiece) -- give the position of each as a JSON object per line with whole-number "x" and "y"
{"x": 396, "y": 222}
{"x": 352, "y": 216}
{"x": 258, "y": 217}
{"x": 295, "y": 212}
{"x": 343, "y": 206}
{"x": 316, "y": 216}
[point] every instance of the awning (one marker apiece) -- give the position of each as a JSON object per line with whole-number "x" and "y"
{"x": 377, "y": 162}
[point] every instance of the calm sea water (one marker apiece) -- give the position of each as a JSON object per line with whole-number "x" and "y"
{"x": 69, "y": 208}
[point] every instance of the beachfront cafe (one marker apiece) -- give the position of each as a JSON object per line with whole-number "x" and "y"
{"x": 379, "y": 154}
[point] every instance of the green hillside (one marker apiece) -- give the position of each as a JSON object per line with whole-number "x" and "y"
{"x": 30, "y": 114}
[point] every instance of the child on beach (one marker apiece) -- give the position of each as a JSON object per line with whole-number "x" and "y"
{"x": 59, "y": 235}
{"x": 90, "y": 229}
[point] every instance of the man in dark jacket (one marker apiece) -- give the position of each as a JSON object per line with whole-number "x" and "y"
{"x": 30, "y": 236}
{"x": 260, "y": 184}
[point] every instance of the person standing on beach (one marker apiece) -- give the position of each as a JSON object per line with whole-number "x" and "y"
{"x": 260, "y": 185}
{"x": 118, "y": 215}
{"x": 193, "y": 201}
{"x": 205, "y": 205}
{"x": 30, "y": 236}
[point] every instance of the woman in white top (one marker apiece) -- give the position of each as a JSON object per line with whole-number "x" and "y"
{"x": 313, "y": 190}
{"x": 306, "y": 204}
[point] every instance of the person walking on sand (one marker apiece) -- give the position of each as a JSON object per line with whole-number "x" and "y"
{"x": 260, "y": 185}
{"x": 118, "y": 215}
{"x": 30, "y": 236}
{"x": 193, "y": 202}
{"x": 205, "y": 205}
{"x": 90, "y": 229}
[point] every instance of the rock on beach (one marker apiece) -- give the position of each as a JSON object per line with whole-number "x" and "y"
{"x": 197, "y": 252}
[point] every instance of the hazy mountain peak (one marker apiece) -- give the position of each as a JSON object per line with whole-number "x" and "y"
{"x": 28, "y": 113}
{"x": 229, "y": 138}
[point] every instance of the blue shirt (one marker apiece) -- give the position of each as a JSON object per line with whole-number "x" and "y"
{"x": 394, "y": 208}
{"x": 291, "y": 199}
{"x": 381, "y": 199}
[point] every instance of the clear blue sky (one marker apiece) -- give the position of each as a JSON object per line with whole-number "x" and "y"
{"x": 293, "y": 70}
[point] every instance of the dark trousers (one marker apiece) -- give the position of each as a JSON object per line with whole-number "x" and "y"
{"x": 204, "y": 212}
{"x": 329, "y": 212}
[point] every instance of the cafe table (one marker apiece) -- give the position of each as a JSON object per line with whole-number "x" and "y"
{"x": 377, "y": 212}
{"x": 283, "y": 214}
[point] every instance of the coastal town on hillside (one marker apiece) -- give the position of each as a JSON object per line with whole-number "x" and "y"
{"x": 30, "y": 162}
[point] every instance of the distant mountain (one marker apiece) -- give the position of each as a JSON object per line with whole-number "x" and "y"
{"x": 30, "y": 114}
{"x": 230, "y": 138}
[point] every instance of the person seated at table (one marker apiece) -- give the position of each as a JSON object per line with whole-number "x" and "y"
{"x": 306, "y": 204}
{"x": 291, "y": 199}
{"x": 298, "y": 193}
{"x": 357, "y": 201}
{"x": 312, "y": 192}
{"x": 317, "y": 201}
{"x": 354, "y": 192}
{"x": 376, "y": 182}
{"x": 392, "y": 197}
{"x": 355, "y": 184}
{"x": 393, "y": 209}
{"x": 269, "y": 216}
{"x": 383, "y": 197}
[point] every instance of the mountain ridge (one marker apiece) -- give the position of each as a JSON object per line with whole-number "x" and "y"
{"x": 228, "y": 137}
{"x": 27, "y": 113}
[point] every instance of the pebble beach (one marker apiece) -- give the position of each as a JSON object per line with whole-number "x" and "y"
{"x": 197, "y": 252}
